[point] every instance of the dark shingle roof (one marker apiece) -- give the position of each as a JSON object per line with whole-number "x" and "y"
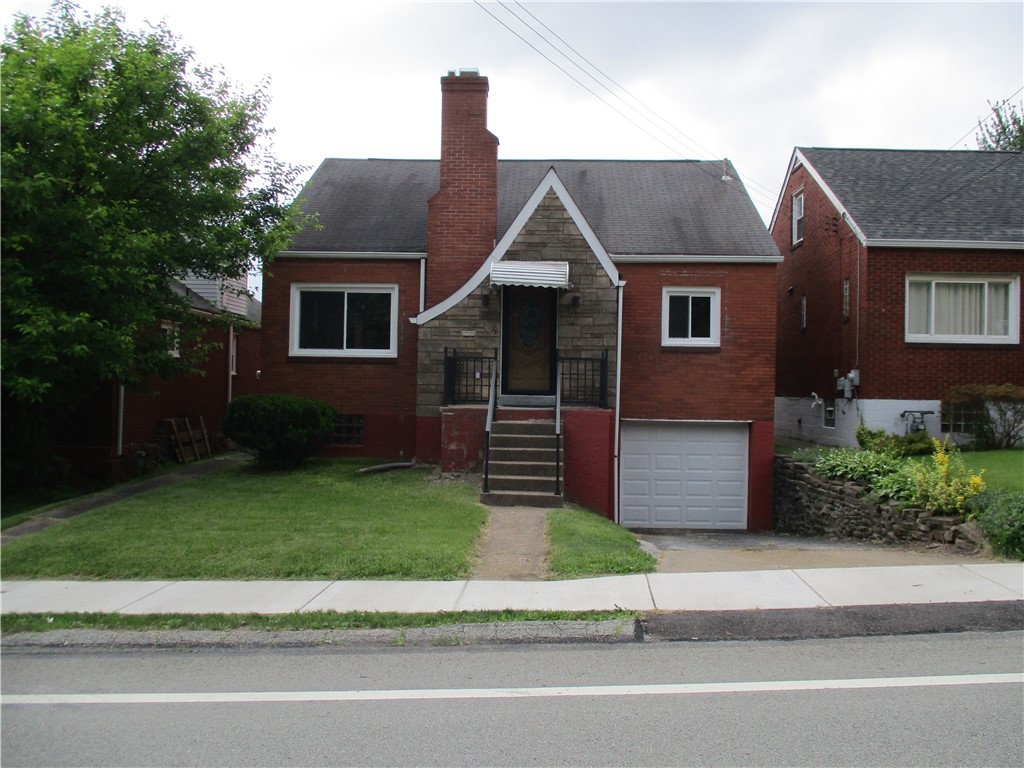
{"x": 896, "y": 194}
{"x": 635, "y": 207}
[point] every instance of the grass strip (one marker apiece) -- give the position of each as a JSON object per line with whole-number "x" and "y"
{"x": 585, "y": 544}
{"x": 315, "y": 620}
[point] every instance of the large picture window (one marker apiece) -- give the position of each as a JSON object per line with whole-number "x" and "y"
{"x": 963, "y": 309}
{"x": 344, "y": 320}
{"x": 690, "y": 317}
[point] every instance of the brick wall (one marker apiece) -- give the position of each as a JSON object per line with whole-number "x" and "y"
{"x": 734, "y": 381}
{"x": 463, "y": 214}
{"x": 808, "y": 359}
{"x": 382, "y": 390}
{"x": 589, "y": 456}
{"x": 893, "y": 369}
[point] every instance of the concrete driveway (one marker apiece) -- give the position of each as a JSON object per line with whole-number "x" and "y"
{"x": 709, "y": 551}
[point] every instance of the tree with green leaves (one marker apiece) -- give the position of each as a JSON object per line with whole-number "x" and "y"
{"x": 1003, "y": 130}
{"x": 126, "y": 167}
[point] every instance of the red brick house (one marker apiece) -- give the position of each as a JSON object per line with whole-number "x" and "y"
{"x": 901, "y": 277}
{"x": 114, "y": 431}
{"x": 613, "y": 319}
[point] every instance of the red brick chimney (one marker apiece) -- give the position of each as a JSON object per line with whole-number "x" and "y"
{"x": 463, "y": 214}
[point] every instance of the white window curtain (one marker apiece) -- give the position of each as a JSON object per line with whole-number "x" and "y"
{"x": 920, "y": 313}
{"x": 998, "y": 309}
{"x": 960, "y": 309}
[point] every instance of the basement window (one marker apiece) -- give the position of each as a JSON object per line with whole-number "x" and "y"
{"x": 348, "y": 430}
{"x": 828, "y": 414}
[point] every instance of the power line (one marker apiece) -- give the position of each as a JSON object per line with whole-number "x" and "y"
{"x": 684, "y": 139}
{"x": 767, "y": 200}
{"x": 938, "y": 157}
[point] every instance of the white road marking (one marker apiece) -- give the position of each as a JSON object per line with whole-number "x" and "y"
{"x": 681, "y": 689}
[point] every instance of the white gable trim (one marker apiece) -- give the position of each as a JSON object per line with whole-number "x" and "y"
{"x": 796, "y": 162}
{"x": 549, "y": 183}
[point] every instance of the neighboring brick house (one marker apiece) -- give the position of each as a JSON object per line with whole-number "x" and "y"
{"x": 648, "y": 284}
{"x": 901, "y": 277}
{"x": 110, "y": 432}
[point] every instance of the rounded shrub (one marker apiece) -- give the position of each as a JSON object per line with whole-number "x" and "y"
{"x": 279, "y": 429}
{"x": 1000, "y": 514}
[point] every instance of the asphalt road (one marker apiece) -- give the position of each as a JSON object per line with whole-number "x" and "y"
{"x": 954, "y": 699}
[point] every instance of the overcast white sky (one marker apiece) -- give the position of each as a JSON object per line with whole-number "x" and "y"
{"x": 747, "y": 81}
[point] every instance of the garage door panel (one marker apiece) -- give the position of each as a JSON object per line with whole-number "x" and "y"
{"x": 684, "y": 475}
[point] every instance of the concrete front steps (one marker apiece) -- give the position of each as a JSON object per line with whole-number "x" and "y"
{"x": 522, "y": 466}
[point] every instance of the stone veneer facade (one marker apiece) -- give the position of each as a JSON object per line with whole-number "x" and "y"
{"x": 472, "y": 328}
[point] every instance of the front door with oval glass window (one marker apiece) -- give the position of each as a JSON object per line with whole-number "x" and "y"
{"x": 528, "y": 340}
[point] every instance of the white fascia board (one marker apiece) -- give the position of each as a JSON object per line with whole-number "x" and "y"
{"x": 686, "y": 258}
{"x": 793, "y": 163}
{"x": 966, "y": 245}
{"x": 369, "y": 255}
{"x": 549, "y": 182}
{"x": 798, "y": 160}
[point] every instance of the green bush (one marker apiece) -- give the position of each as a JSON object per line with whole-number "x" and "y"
{"x": 880, "y": 441}
{"x": 945, "y": 484}
{"x": 1000, "y": 514}
{"x": 279, "y": 429}
{"x": 864, "y": 466}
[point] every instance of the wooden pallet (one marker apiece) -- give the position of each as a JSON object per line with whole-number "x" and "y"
{"x": 190, "y": 443}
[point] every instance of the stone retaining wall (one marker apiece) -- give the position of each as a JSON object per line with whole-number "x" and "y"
{"x": 809, "y": 504}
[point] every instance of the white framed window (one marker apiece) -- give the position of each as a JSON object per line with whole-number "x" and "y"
{"x": 233, "y": 351}
{"x": 803, "y": 313}
{"x": 335, "y": 320}
{"x": 172, "y": 337}
{"x": 691, "y": 317}
{"x": 798, "y": 217}
{"x": 846, "y": 298}
{"x": 963, "y": 309}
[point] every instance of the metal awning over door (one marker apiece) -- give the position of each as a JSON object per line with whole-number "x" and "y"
{"x": 537, "y": 274}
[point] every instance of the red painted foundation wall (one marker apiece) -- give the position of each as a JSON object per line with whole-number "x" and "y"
{"x": 761, "y": 470}
{"x": 462, "y": 439}
{"x": 589, "y": 453}
{"x": 428, "y": 439}
{"x": 386, "y": 436}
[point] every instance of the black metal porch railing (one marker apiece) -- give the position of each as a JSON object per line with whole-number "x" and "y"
{"x": 468, "y": 378}
{"x": 584, "y": 380}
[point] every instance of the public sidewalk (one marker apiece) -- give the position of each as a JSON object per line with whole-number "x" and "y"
{"x": 724, "y": 591}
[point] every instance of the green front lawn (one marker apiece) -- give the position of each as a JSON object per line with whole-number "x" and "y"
{"x": 322, "y": 521}
{"x": 1003, "y": 469}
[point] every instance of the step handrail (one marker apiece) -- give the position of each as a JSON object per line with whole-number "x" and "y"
{"x": 487, "y": 429}
{"x": 558, "y": 429}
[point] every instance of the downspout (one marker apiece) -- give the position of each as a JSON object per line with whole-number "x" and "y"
{"x": 618, "y": 396}
{"x": 423, "y": 284}
{"x": 232, "y": 353}
{"x": 120, "y": 418}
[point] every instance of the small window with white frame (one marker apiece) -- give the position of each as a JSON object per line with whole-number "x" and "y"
{"x": 335, "y": 320}
{"x": 691, "y": 317}
{"x": 963, "y": 309}
{"x": 172, "y": 337}
{"x": 798, "y": 217}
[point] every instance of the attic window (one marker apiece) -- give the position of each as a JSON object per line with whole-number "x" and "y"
{"x": 331, "y": 320}
{"x": 798, "y": 217}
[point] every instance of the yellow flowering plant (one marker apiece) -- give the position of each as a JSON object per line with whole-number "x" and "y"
{"x": 946, "y": 484}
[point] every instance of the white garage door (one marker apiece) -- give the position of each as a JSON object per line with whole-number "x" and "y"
{"x": 683, "y": 475}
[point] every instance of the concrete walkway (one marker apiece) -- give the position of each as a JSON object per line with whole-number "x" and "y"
{"x": 729, "y": 591}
